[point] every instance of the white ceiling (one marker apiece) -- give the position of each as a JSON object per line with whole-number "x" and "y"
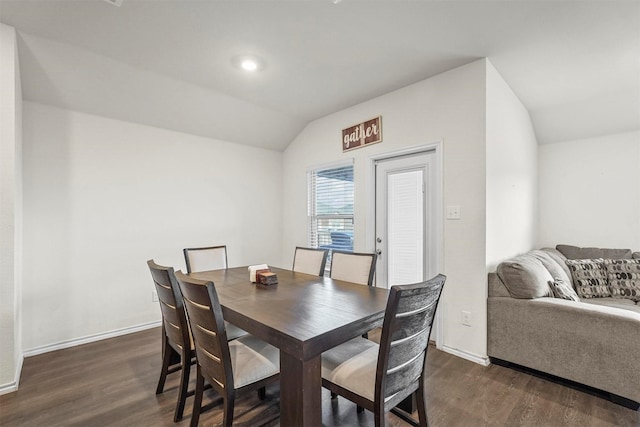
{"x": 575, "y": 65}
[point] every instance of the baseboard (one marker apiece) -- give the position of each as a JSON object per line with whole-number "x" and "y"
{"x": 481, "y": 360}
{"x": 90, "y": 338}
{"x": 13, "y": 386}
{"x": 8, "y": 388}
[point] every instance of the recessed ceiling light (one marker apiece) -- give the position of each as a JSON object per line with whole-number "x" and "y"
{"x": 248, "y": 63}
{"x": 116, "y": 3}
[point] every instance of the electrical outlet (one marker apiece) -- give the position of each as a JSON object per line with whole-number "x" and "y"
{"x": 154, "y": 296}
{"x": 453, "y": 212}
{"x": 466, "y": 318}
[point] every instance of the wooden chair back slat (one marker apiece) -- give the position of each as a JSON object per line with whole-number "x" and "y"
{"x": 417, "y": 299}
{"x": 409, "y": 326}
{"x": 400, "y": 379}
{"x": 172, "y": 326}
{"x": 170, "y": 316}
{"x": 405, "y": 351}
{"x": 165, "y": 294}
{"x": 393, "y": 401}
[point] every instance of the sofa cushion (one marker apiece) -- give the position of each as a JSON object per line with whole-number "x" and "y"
{"x": 575, "y": 252}
{"x": 624, "y": 278}
{"x": 525, "y": 277}
{"x": 557, "y": 256}
{"x": 625, "y": 304}
{"x": 557, "y": 272}
{"x": 564, "y": 290}
{"x": 589, "y": 277}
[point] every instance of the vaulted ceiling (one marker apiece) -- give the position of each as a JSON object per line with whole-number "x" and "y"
{"x": 574, "y": 65}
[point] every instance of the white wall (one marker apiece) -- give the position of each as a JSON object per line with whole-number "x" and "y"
{"x": 10, "y": 211}
{"x": 103, "y": 196}
{"x": 448, "y": 107}
{"x": 512, "y": 173}
{"x": 590, "y": 192}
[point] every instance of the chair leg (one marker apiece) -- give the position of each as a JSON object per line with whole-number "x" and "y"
{"x": 184, "y": 384}
{"x": 262, "y": 393}
{"x": 378, "y": 416}
{"x": 197, "y": 398}
{"x": 229, "y": 403}
{"x": 359, "y": 409}
{"x": 166, "y": 358}
{"x": 334, "y": 395}
{"x": 422, "y": 406}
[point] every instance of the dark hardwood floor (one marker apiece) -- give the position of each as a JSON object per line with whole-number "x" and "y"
{"x": 112, "y": 383}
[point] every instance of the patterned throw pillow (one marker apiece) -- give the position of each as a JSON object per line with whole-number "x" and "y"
{"x": 563, "y": 290}
{"x": 589, "y": 277}
{"x": 624, "y": 278}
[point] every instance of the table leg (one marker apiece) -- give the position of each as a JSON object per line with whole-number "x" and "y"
{"x": 300, "y": 391}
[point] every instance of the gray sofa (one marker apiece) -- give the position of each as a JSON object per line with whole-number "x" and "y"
{"x": 591, "y": 341}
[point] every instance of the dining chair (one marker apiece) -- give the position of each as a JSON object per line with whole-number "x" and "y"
{"x": 205, "y": 258}
{"x": 178, "y": 353}
{"x": 310, "y": 260}
{"x": 353, "y": 267}
{"x": 379, "y": 376}
{"x": 230, "y": 367}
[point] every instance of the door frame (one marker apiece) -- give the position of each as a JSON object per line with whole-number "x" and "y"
{"x": 436, "y": 149}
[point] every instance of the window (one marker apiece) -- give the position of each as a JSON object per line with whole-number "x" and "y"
{"x": 331, "y": 208}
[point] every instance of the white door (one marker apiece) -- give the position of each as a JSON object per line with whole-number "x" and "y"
{"x": 405, "y": 234}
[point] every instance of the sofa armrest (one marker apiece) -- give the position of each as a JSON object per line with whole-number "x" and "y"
{"x": 593, "y": 345}
{"x": 497, "y": 287}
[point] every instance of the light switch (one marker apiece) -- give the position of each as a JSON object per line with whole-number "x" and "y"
{"x": 453, "y": 212}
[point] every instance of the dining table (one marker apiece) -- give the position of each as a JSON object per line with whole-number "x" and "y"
{"x": 302, "y": 315}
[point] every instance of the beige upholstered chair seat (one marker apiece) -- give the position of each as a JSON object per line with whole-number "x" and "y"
{"x": 352, "y": 365}
{"x": 252, "y": 360}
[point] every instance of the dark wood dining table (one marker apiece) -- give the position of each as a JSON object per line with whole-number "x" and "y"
{"x": 303, "y": 315}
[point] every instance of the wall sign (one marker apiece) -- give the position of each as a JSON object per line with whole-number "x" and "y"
{"x": 362, "y": 134}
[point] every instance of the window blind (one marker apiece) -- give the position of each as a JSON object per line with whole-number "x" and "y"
{"x": 330, "y": 208}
